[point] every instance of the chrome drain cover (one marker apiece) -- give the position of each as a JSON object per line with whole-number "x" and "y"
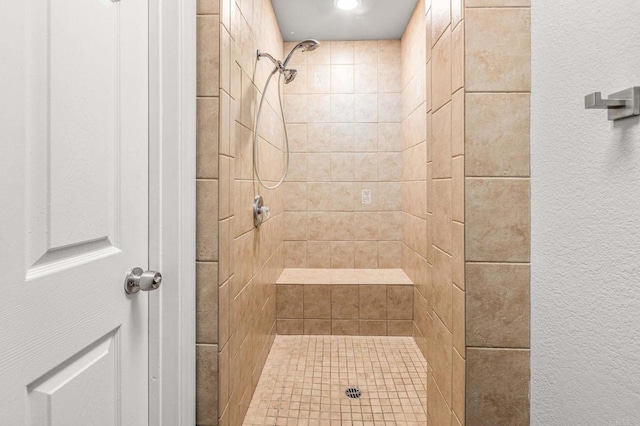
{"x": 353, "y": 392}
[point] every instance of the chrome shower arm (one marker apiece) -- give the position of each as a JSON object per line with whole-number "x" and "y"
{"x": 276, "y": 62}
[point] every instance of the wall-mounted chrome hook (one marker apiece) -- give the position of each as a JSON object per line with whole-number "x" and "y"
{"x": 619, "y": 105}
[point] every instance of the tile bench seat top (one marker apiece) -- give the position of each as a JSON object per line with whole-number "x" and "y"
{"x": 344, "y": 276}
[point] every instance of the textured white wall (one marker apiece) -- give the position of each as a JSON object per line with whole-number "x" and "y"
{"x": 585, "y": 289}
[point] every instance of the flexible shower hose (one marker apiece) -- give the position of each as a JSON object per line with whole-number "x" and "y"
{"x": 256, "y": 155}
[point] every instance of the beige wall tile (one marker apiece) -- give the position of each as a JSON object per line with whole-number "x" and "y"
{"x": 497, "y": 220}
{"x": 389, "y": 225}
{"x": 498, "y": 36}
{"x": 365, "y": 137}
{"x": 342, "y": 167}
{"x": 457, "y": 55}
{"x": 457, "y": 257}
{"x": 441, "y": 122}
{"x": 318, "y": 108}
{"x": 389, "y": 137}
{"x": 296, "y": 108}
{"x": 366, "y": 109}
{"x": 319, "y": 137}
{"x": 498, "y": 306}
{"x": 442, "y": 358}
{"x": 223, "y": 377}
{"x": 366, "y": 78}
{"x": 297, "y": 137}
{"x": 295, "y": 195}
{"x": 319, "y": 254}
{"x": 342, "y": 78}
{"x": 373, "y": 328}
{"x": 389, "y": 254}
{"x": 295, "y": 224}
{"x": 442, "y": 214}
{"x": 207, "y": 138}
{"x": 344, "y": 302}
{"x": 373, "y": 302}
{"x": 223, "y": 312}
{"x": 342, "y": 254}
{"x": 497, "y": 142}
{"x": 497, "y": 388}
{"x": 207, "y": 302}
{"x": 400, "y": 327}
{"x": 365, "y": 254}
{"x": 208, "y": 7}
{"x": 387, "y": 79}
{"x": 442, "y": 287}
{"x": 317, "y": 326}
{"x": 388, "y": 51}
{"x": 438, "y": 411}
{"x": 366, "y": 52}
{"x": 458, "y": 382}
{"x": 457, "y": 189}
{"x": 290, "y": 326}
{"x": 317, "y": 301}
{"x": 497, "y": 3}
{"x": 343, "y": 137}
{"x": 441, "y": 17}
{"x": 458, "y": 323}
{"x": 319, "y": 79}
{"x": 207, "y": 384}
{"x": 289, "y": 301}
{"x": 226, "y": 125}
{"x": 457, "y": 123}
{"x": 224, "y": 186}
{"x": 295, "y": 254}
{"x": 399, "y": 302}
{"x": 319, "y": 168}
{"x": 441, "y": 71}
{"x": 208, "y": 56}
{"x": 321, "y": 55}
{"x": 366, "y": 228}
{"x": 345, "y": 327}
{"x": 389, "y": 108}
{"x": 206, "y": 223}
{"x": 342, "y": 52}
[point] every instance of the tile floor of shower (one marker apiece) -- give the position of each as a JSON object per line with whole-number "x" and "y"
{"x": 305, "y": 379}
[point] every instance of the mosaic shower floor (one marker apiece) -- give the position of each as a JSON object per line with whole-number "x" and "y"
{"x": 305, "y": 378}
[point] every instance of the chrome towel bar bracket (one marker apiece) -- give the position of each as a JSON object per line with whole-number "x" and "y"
{"x": 619, "y": 105}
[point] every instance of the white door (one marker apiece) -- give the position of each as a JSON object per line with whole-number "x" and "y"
{"x": 73, "y": 212}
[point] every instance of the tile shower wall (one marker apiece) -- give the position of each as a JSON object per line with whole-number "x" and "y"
{"x": 497, "y": 206}
{"x": 433, "y": 198}
{"x": 207, "y": 187}
{"x": 237, "y": 264}
{"x": 342, "y": 196}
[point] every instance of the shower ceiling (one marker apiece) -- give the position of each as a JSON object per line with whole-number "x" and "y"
{"x": 322, "y": 20}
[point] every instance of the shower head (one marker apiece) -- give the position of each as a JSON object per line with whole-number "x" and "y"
{"x": 306, "y": 46}
{"x": 289, "y": 75}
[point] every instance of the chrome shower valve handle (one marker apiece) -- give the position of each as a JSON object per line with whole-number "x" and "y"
{"x": 260, "y": 211}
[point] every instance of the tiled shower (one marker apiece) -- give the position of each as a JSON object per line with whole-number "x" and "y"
{"x": 403, "y": 165}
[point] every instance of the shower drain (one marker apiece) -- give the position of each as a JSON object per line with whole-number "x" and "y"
{"x": 353, "y": 392}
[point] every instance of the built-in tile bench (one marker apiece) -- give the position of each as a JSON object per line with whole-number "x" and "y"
{"x": 356, "y": 302}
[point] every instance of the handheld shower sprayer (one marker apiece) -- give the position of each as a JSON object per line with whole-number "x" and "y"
{"x": 289, "y": 75}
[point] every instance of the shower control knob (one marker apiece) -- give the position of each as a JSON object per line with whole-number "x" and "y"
{"x": 260, "y": 211}
{"x": 137, "y": 280}
{"x": 266, "y": 212}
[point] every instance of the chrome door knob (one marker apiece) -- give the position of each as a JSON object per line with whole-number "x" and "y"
{"x": 137, "y": 280}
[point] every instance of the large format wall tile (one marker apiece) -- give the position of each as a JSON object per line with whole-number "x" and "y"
{"x": 497, "y": 387}
{"x": 498, "y": 50}
{"x": 497, "y": 220}
{"x": 498, "y": 305}
{"x": 497, "y": 134}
